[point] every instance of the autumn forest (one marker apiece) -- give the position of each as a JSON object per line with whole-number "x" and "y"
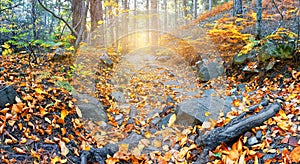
{"x": 150, "y": 81}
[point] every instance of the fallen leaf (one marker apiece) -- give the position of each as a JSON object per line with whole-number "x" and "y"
{"x": 295, "y": 154}
{"x": 172, "y": 120}
{"x": 19, "y": 150}
{"x": 63, "y": 148}
{"x": 40, "y": 91}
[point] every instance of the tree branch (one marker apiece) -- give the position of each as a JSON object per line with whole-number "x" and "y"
{"x": 60, "y": 18}
{"x": 11, "y": 7}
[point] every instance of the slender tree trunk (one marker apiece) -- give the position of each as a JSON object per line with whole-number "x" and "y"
{"x": 34, "y": 19}
{"x": 147, "y": 21}
{"x": 238, "y": 8}
{"x": 184, "y": 8}
{"x": 165, "y": 15}
{"x": 258, "y": 19}
{"x": 176, "y": 10}
{"x": 154, "y": 23}
{"x": 195, "y": 2}
{"x": 79, "y": 10}
{"x": 96, "y": 13}
{"x": 210, "y": 5}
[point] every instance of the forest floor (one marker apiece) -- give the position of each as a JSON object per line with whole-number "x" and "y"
{"x": 44, "y": 125}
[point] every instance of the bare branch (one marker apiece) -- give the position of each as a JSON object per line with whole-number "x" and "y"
{"x": 60, "y": 18}
{"x": 11, "y": 7}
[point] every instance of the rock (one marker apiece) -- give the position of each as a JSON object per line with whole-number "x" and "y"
{"x": 275, "y": 50}
{"x": 133, "y": 112}
{"x": 155, "y": 121}
{"x": 132, "y": 140}
{"x": 193, "y": 110}
{"x": 252, "y": 141}
{"x": 118, "y": 96}
{"x": 241, "y": 59}
{"x": 90, "y": 107}
{"x": 170, "y": 100}
{"x": 8, "y": 96}
{"x": 106, "y": 60}
{"x": 269, "y": 156}
{"x": 59, "y": 54}
{"x": 165, "y": 121}
{"x": 258, "y": 134}
{"x": 119, "y": 118}
{"x": 163, "y": 58}
{"x": 208, "y": 70}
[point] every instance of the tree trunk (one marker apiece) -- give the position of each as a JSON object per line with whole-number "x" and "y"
{"x": 175, "y": 8}
{"x": 238, "y": 8}
{"x": 96, "y": 13}
{"x": 210, "y": 5}
{"x": 34, "y": 18}
{"x": 184, "y": 8}
{"x": 154, "y": 22}
{"x": 79, "y": 10}
{"x": 195, "y": 2}
{"x": 258, "y": 19}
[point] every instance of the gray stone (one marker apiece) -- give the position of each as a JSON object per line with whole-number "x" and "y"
{"x": 193, "y": 110}
{"x": 90, "y": 107}
{"x": 258, "y": 134}
{"x": 118, "y": 96}
{"x": 268, "y": 156}
{"x": 106, "y": 60}
{"x": 155, "y": 121}
{"x": 132, "y": 140}
{"x": 133, "y": 112}
{"x": 163, "y": 58}
{"x": 252, "y": 141}
{"x": 8, "y": 96}
{"x": 208, "y": 70}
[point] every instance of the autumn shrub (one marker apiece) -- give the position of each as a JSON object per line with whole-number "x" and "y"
{"x": 227, "y": 35}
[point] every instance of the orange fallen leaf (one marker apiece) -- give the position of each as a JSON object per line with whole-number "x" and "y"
{"x": 295, "y": 155}
{"x": 19, "y": 150}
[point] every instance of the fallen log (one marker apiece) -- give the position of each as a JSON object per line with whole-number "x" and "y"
{"x": 234, "y": 129}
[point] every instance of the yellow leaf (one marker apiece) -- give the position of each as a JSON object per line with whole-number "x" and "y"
{"x": 40, "y": 91}
{"x": 207, "y": 114}
{"x": 64, "y": 113}
{"x": 172, "y": 120}
{"x": 100, "y": 22}
{"x": 6, "y": 46}
{"x": 147, "y": 134}
{"x": 282, "y": 114}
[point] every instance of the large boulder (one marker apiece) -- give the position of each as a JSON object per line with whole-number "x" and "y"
{"x": 207, "y": 70}
{"x": 193, "y": 110}
{"x": 7, "y": 96}
{"x": 90, "y": 107}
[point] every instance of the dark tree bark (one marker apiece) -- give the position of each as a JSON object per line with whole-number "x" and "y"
{"x": 258, "y": 19}
{"x": 154, "y": 21}
{"x": 79, "y": 10}
{"x": 238, "y": 8}
{"x": 195, "y": 7}
{"x": 235, "y": 128}
{"x": 184, "y": 8}
{"x": 33, "y": 19}
{"x": 96, "y": 13}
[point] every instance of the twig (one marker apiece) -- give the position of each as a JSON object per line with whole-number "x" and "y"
{"x": 11, "y": 7}
{"x": 60, "y": 18}
{"x": 282, "y": 17}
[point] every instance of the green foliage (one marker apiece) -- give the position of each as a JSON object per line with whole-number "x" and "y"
{"x": 65, "y": 85}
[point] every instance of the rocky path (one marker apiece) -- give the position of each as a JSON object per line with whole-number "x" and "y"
{"x": 149, "y": 88}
